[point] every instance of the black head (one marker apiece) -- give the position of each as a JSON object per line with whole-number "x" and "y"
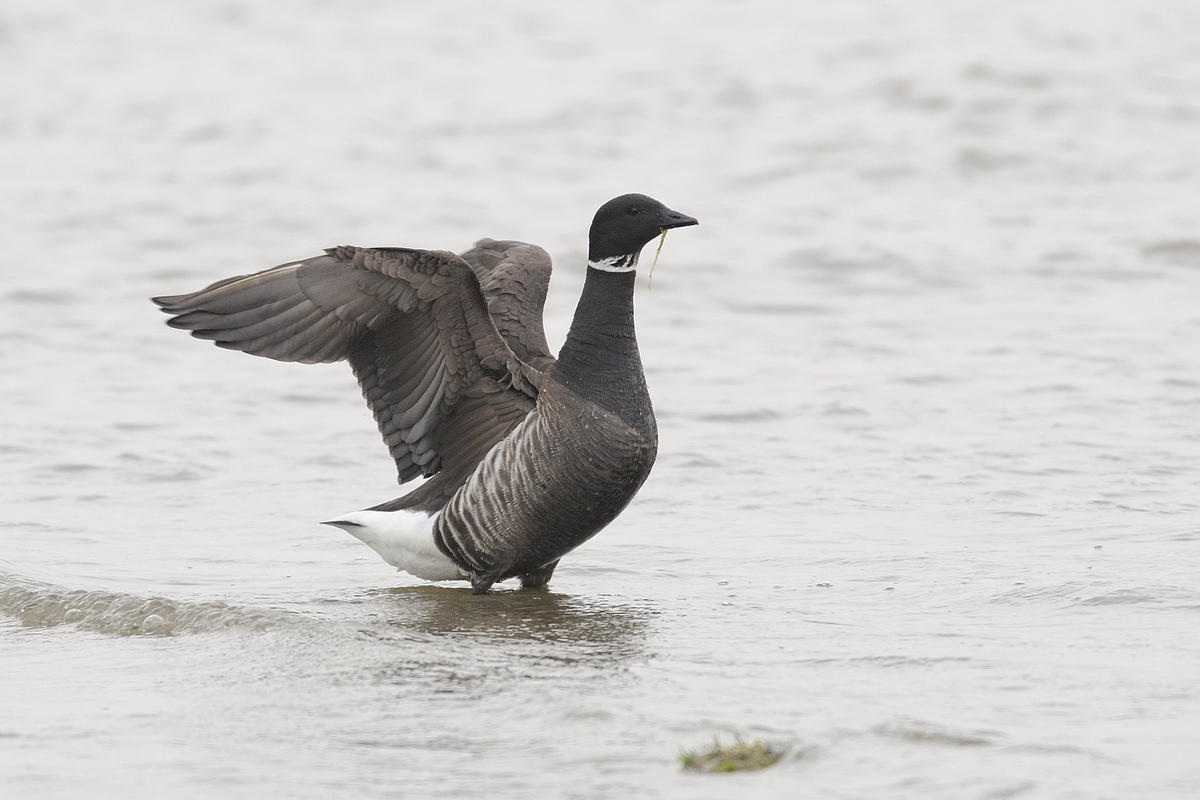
{"x": 625, "y": 224}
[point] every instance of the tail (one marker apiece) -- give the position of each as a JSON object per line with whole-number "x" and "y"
{"x": 403, "y": 539}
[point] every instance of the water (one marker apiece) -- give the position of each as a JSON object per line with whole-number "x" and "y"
{"x": 925, "y": 509}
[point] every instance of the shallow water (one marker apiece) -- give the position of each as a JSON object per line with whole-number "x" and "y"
{"x": 925, "y": 509}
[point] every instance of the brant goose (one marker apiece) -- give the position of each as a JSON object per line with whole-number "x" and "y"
{"x": 527, "y": 456}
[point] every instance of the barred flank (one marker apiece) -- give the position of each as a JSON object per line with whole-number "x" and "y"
{"x": 550, "y": 486}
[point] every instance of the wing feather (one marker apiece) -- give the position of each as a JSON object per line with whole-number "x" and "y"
{"x": 515, "y": 278}
{"x": 415, "y": 327}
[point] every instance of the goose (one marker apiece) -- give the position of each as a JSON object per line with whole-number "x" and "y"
{"x": 526, "y": 455}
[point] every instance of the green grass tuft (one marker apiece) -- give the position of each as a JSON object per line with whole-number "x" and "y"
{"x": 738, "y": 757}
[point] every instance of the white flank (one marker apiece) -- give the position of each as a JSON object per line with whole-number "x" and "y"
{"x": 616, "y": 263}
{"x": 403, "y": 539}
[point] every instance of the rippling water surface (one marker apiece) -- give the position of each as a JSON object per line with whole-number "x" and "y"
{"x": 926, "y": 507}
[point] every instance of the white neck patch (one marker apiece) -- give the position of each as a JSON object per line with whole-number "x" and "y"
{"x": 616, "y": 263}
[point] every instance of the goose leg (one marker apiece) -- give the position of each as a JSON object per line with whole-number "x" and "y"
{"x": 539, "y": 578}
{"x": 481, "y": 583}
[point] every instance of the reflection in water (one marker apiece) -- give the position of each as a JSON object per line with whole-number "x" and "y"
{"x": 452, "y": 641}
{"x": 617, "y": 629}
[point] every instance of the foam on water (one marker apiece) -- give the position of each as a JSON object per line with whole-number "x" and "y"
{"x": 43, "y": 606}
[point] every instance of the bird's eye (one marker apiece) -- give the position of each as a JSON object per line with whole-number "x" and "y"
{"x": 634, "y": 210}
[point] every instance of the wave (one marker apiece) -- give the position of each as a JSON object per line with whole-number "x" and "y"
{"x": 42, "y": 605}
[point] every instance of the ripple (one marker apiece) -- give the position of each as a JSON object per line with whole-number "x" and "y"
{"x": 1180, "y": 252}
{"x": 41, "y": 297}
{"x": 1119, "y": 597}
{"x": 928, "y": 733}
{"x": 751, "y": 415}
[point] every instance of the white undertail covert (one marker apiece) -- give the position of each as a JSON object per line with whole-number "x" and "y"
{"x": 403, "y": 539}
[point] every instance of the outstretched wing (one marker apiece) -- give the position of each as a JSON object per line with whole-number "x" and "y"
{"x": 515, "y": 277}
{"x": 441, "y": 381}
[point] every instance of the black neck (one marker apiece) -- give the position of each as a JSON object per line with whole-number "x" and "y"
{"x": 600, "y": 359}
